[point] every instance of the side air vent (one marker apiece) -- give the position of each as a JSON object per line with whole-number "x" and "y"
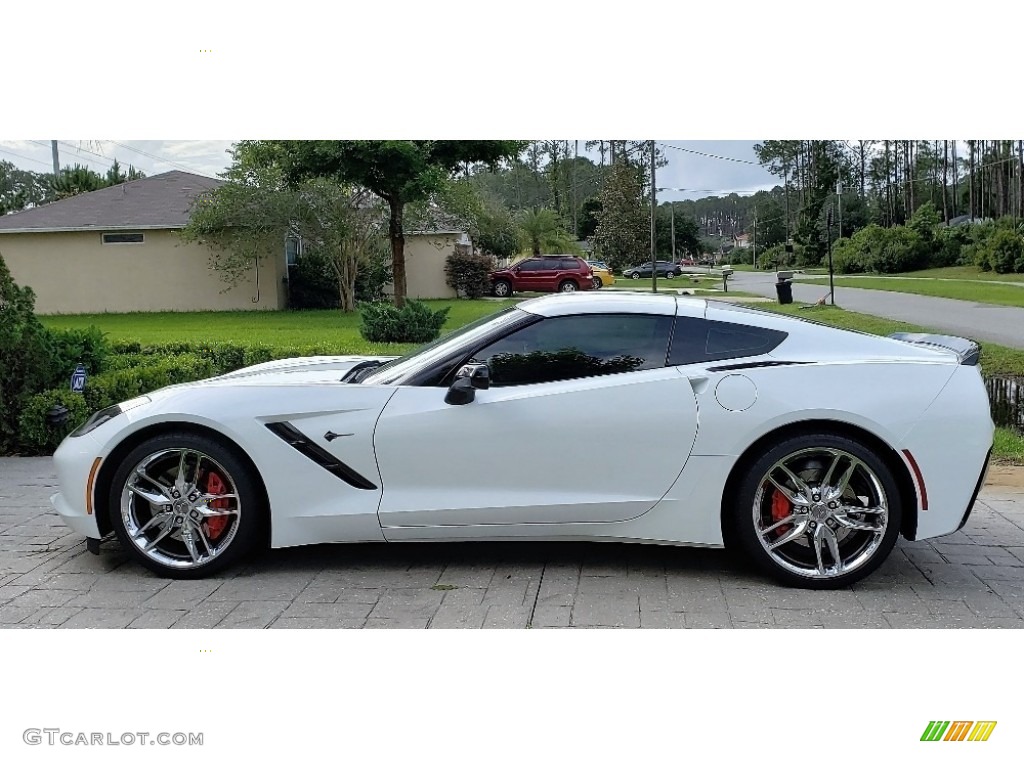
{"x": 314, "y": 452}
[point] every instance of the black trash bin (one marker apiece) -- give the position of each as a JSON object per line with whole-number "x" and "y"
{"x": 784, "y": 290}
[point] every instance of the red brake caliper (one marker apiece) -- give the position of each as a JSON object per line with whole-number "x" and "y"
{"x": 215, "y": 485}
{"x": 781, "y": 509}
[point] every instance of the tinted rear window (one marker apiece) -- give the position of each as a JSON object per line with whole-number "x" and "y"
{"x": 700, "y": 341}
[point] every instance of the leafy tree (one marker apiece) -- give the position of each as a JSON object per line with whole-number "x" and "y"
{"x": 623, "y": 230}
{"x": 21, "y": 189}
{"x": 115, "y": 174}
{"x": 686, "y": 230}
{"x": 346, "y": 226}
{"x": 399, "y": 172}
{"x": 589, "y": 217}
{"x": 76, "y": 180}
{"x": 243, "y": 224}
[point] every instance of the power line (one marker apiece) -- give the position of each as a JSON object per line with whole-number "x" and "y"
{"x": 23, "y": 157}
{"x": 709, "y": 154}
{"x": 172, "y": 163}
{"x": 75, "y": 151}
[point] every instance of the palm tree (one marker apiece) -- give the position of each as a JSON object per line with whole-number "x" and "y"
{"x": 542, "y": 231}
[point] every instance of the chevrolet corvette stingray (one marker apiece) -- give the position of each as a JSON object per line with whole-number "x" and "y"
{"x": 808, "y": 448}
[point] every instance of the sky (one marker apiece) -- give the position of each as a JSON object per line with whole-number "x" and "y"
{"x": 695, "y": 168}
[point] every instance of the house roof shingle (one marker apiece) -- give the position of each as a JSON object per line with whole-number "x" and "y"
{"x": 155, "y": 202}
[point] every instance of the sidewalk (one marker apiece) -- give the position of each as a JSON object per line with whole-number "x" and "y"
{"x": 973, "y": 578}
{"x": 981, "y": 322}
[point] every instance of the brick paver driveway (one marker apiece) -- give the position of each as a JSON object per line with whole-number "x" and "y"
{"x": 974, "y": 578}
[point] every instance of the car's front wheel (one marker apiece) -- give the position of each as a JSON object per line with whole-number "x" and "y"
{"x": 502, "y": 288}
{"x": 817, "y": 511}
{"x": 598, "y": 282}
{"x": 186, "y": 505}
{"x": 635, "y": 275}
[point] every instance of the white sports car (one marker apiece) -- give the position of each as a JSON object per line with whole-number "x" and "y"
{"x": 808, "y": 447}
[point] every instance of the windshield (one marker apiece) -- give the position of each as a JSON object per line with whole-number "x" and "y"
{"x": 395, "y": 370}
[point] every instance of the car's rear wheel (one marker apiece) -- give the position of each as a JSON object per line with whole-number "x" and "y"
{"x": 598, "y": 282}
{"x": 502, "y": 288}
{"x": 186, "y": 505}
{"x": 818, "y": 511}
{"x": 671, "y": 274}
{"x": 567, "y": 286}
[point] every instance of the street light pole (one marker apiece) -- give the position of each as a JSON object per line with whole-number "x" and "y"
{"x": 654, "y": 204}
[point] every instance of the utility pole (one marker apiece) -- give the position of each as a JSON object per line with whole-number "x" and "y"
{"x": 673, "y": 221}
{"x": 654, "y": 205}
{"x": 755, "y": 239}
{"x": 56, "y": 158}
{"x": 575, "y": 155}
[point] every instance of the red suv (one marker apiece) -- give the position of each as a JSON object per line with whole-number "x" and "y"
{"x": 543, "y": 273}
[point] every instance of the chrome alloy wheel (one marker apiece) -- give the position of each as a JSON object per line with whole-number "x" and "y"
{"x": 820, "y": 513}
{"x": 180, "y": 508}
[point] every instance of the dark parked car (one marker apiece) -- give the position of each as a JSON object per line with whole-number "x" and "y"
{"x": 665, "y": 269}
{"x": 543, "y": 273}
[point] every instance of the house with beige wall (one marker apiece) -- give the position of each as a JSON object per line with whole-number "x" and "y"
{"x": 118, "y": 249}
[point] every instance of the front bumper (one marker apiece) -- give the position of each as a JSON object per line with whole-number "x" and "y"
{"x": 74, "y": 460}
{"x": 82, "y": 524}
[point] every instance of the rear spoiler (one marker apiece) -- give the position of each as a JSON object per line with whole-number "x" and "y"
{"x": 968, "y": 351}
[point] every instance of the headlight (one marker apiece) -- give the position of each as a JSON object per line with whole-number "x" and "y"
{"x": 106, "y": 414}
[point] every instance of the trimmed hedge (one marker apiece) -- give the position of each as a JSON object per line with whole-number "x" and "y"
{"x": 135, "y": 369}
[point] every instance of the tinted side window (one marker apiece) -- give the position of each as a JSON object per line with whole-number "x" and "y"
{"x": 570, "y": 264}
{"x": 550, "y": 264}
{"x": 531, "y": 265}
{"x": 578, "y": 346}
{"x": 697, "y": 340}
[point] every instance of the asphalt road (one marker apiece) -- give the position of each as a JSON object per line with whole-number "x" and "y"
{"x": 981, "y": 322}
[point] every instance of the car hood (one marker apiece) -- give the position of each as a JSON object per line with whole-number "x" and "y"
{"x": 324, "y": 369}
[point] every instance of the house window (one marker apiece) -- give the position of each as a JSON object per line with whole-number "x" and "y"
{"x": 291, "y": 251}
{"x": 117, "y": 238}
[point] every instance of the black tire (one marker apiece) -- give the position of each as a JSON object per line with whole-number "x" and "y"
{"x": 567, "y": 286}
{"x": 670, "y": 274}
{"x": 239, "y": 532}
{"x": 757, "y": 525}
{"x": 598, "y": 282}
{"x": 635, "y": 275}
{"x": 502, "y": 288}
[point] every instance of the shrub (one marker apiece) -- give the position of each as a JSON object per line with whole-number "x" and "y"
{"x": 469, "y": 274}
{"x": 87, "y": 346}
{"x": 848, "y": 258}
{"x": 27, "y": 364}
{"x": 1005, "y": 252}
{"x": 36, "y": 435}
{"x": 415, "y": 322}
{"x": 312, "y": 283}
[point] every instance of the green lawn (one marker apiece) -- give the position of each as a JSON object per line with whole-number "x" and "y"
{"x": 1010, "y": 295}
{"x": 283, "y": 329}
{"x": 962, "y": 273}
{"x": 1009, "y": 447}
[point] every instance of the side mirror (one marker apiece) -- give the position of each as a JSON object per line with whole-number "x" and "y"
{"x": 468, "y": 380}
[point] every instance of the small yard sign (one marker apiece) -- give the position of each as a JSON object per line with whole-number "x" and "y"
{"x": 78, "y": 379}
